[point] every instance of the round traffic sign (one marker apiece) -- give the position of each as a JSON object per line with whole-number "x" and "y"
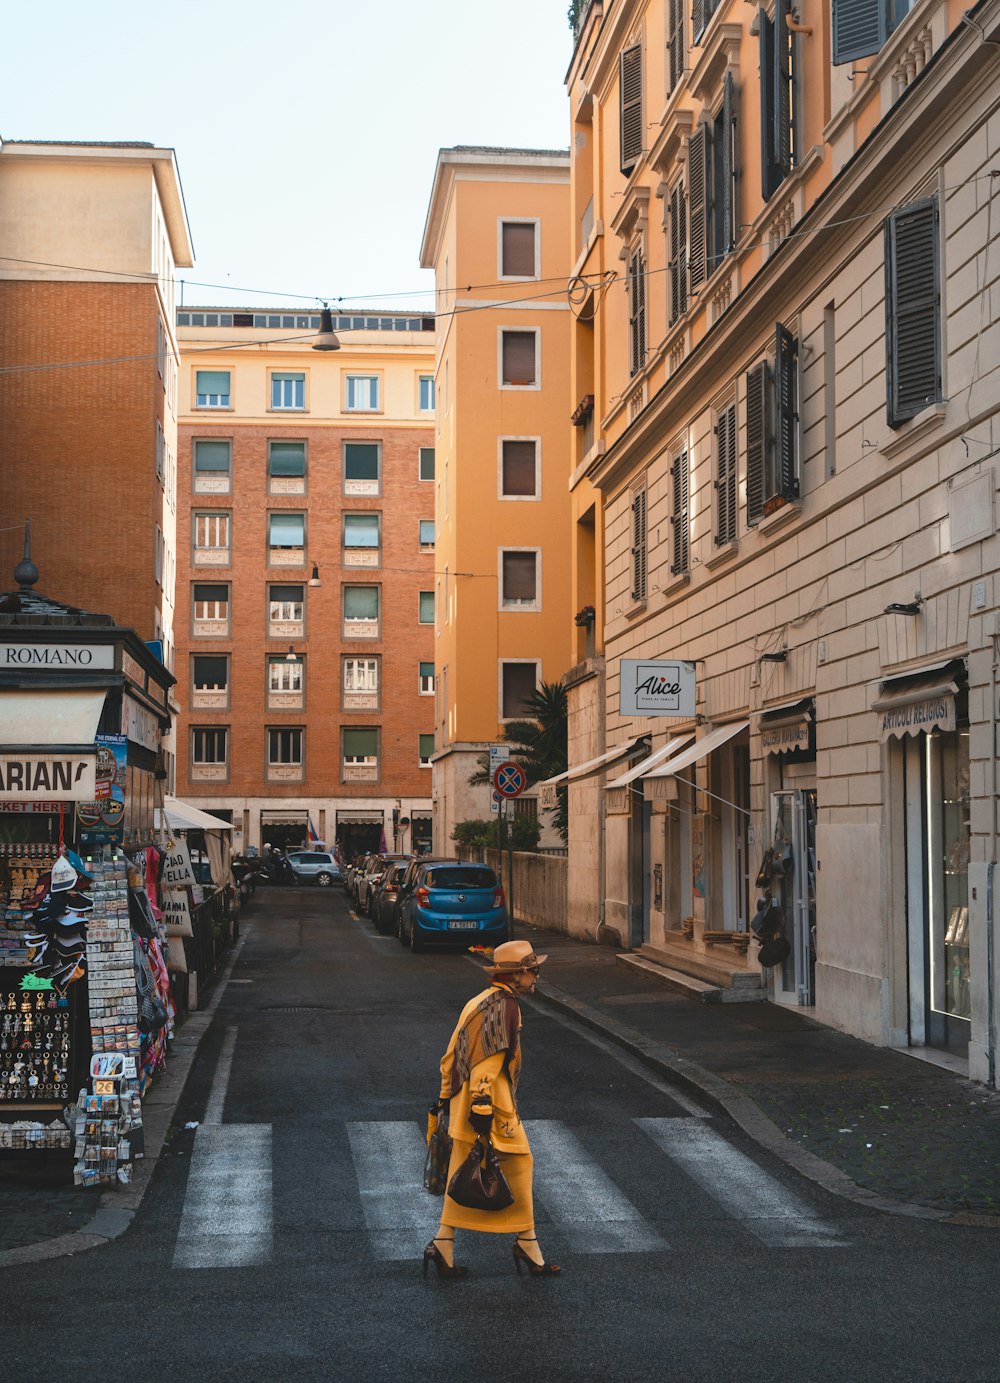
{"x": 510, "y": 780}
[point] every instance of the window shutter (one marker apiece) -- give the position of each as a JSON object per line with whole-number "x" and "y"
{"x": 860, "y": 27}
{"x": 699, "y": 18}
{"x": 769, "y": 179}
{"x": 519, "y": 357}
{"x": 678, "y": 254}
{"x": 697, "y": 206}
{"x": 756, "y": 441}
{"x": 517, "y": 253}
{"x": 726, "y": 477}
{"x": 729, "y": 118}
{"x": 912, "y": 303}
{"x": 675, "y": 40}
{"x": 786, "y": 415}
{"x": 639, "y": 544}
{"x": 630, "y": 91}
{"x": 519, "y": 576}
{"x": 679, "y": 516}
{"x": 782, "y": 110}
{"x": 518, "y": 467}
{"x": 637, "y": 312}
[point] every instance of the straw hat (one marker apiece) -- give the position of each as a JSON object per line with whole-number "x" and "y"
{"x": 515, "y": 955}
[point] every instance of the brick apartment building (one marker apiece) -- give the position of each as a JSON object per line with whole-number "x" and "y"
{"x": 306, "y": 575}
{"x": 90, "y": 235}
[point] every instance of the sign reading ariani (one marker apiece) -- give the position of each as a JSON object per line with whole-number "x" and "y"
{"x": 657, "y": 688}
{"x": 57, "y": 777}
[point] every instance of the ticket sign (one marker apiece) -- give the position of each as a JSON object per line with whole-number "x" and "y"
{"x": 657, "y": 688}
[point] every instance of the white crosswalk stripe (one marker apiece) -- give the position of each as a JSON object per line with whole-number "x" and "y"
{"x": 773, "y": 1214}
{"x": 389, "y": 1164}
{"x": 227, "y": 1216}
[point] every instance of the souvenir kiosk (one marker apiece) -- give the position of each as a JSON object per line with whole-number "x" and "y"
{"x": 84, "y": 988}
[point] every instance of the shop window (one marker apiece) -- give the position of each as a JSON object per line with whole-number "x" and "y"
{"x": 362, "y": 468}
{"x": 211, "y": 539}
{"x": 725, "y": 477}
{"x": 212, "y": 464}
{"x": 772, "y": 430}
{"x": 425, "y": 464}
{"x": 680, "y": 514}
{"x": 210, "y": 608}
{"x": 518, "y": 683}
{"x": 519, "y": 470}
{"x": 286, "y": 468}
{"x": 425, "y": 388}
{"x": 286, "y": 612}
{"x": 712, "y": 173}
{"x": 361, "y": 394}
{"x": 426, "y": 750}
{"x": 912, "y": 310}
{"x": 518, "y": 359}
{"x": 212, "y": 388}
{"x": 426, "y": 676}
{"x": 425, "y": 607}
{"x": 288, "y": 391}
{"x": 426, "y": 535}
{"x": 630, "y": 106}
{"x": 361, "y": 612}
{"x": 519, "y": 584}
{"x": 637, "y": 551}
{"x": 518, "y": 249}
{"x": 286, "y": 539}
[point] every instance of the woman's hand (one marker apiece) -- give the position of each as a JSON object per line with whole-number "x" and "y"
{"x": 481, "y": 1116}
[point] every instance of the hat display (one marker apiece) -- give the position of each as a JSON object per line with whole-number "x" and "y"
{"x": 515, "y": 955}
{"x": 63, "y": 875}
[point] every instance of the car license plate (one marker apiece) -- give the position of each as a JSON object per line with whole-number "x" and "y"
{"x": 462, "y": 924}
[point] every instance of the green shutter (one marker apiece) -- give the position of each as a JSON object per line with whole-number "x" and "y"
{"x": 785, "y": 414}
{"x": 860, "y": 27}
{"x": 756, "y": 441}
{"x": 913, "y": 311}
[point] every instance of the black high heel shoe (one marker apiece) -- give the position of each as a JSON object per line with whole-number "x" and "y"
{"x": 536, "y": 1269}
{"x": 432, "y": 1254}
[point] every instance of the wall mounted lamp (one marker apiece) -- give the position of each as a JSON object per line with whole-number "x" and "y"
{"x": 314, "y": 579}
{"x": 904, "y": 608}
{"x": 780, "y": 656}
{"x": 291, "y": 656}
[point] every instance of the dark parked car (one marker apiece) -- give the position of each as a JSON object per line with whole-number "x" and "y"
{"x": 450, "y": 900}
{"x": 370, "y": 877}
{"x": 385, "y": 898}
{"x": 314, "y": 866}
{"x": 354, "y": 873}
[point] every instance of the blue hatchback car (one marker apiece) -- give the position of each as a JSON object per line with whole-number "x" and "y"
{"x": 452, "y": 901}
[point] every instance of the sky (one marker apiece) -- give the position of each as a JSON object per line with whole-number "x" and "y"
{"x": 306, "y": 133}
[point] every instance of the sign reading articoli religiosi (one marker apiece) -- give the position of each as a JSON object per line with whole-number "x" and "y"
{"x": 657, "y": 688}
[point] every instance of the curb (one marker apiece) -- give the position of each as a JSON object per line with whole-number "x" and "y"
{"x": 116, "y": 1208}
{"x": 748, "y": 1115}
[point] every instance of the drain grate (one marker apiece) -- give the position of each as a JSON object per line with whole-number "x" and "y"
{"x": 296, "y": 1008}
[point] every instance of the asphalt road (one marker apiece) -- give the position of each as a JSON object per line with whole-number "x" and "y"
{"x": 282, "y": 1236}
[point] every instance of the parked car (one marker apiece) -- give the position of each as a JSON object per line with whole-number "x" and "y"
{"x": 452, "y": 900}
{"x": 358, "y": 866}
{"x": 369, "y": 880}
{"x": 385, "y": 898}
{"x": 314, "y": 866}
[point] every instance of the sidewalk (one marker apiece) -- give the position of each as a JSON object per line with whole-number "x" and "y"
{"x": 870, "y": 1123}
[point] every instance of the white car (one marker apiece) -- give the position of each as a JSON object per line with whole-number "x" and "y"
{"x": 314, "y": 866}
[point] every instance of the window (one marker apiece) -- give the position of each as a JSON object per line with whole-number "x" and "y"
{"x": 286, "y": 533}
{"x": 158, "y": 556}
{"x": 286, "y": 459}
{"x": 860, "y": 27}
{"x": 212, "y": 461}
{"x": 701, "y": 13}
{"x": 630, "y": 96}
{"x": 426, "y": 679}
{"x": 772, "y": 426}
{"x": 680, "y": 518}
{"x": 362, "y": 468}
{"x": 161, "y": 444}
{"x": 912, "y": 311}
{"x": 360, "y": 747}
{"x": 677, "y": 213}
{"x": 361, "y": 611}
{"x": 360, "y": 674}
{"x": 725, "y": 477}
{"x": 210, "y": 672}
{"x": 425, "y": 614}
{"x": 286, "y": 605}
{"x": 288, "y": 391}
{"x": 711, "y": 189}
{"x": 211, "y": 539}
{"x": 212, "y": 388}
{"x": 361, "y": 531}
{"x": 210, "y": 744}
{"x": 426, "y": 750}
{"x": 426, "y": 463}
{"x": 636, "y": 287}
{"x": 637, "y": 504}
{"x": 518, "y": 468}
{"x": 285, "y": 676}
{"x": 519, "y": 579}
{"x": 425, "y": 386}
{"x": 284, "y": 747}
{"x": 427, "y": 535}
{"x": 518, "y": 249}
{"x": 518, "y": 682}
{"x": 210, "y": 602}
{"x": 675, "y": 41}
{"x": 776, "y": 93}
{"x": 361, "y": 393}
{"x": 518, "y": 368}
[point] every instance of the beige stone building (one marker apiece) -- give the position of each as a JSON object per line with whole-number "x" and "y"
{"x": 792, "y": 354}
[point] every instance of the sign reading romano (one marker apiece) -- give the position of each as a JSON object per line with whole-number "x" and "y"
{"x": 58, "y": 777}
{"x": 57, "y": 655}
{"x": 657, "y": 688}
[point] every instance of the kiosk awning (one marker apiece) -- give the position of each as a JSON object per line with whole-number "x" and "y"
{"x": 640, "y": 769}
{"x": 182, "y": 816}
{"x": 42, "y": 716}
{"x": 922, "y": 700}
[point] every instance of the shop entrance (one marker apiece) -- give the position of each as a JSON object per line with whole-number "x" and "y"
{"x": 793, "y": 826}
{"x": 360, "y": 834}
{"x": 936, "y": 793}
{"x": 284, "y": 830}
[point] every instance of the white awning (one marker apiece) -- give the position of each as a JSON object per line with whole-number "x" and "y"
{"x": 584, "y": 770}
{"x": 640, "y": 769}
{"x": 182, "y": 816}
{"x": 360, "y": 818}
{"x": 46, "y": 716}
{"x": 786, "y": 728}
{"x": 921, "y": 701}
{"x": 699, "y": 750}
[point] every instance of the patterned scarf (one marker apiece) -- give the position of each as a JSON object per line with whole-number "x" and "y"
{"x": 493, "y": 1026}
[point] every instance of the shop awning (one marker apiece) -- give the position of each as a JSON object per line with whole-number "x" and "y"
{"x": 923, "y": 700}
{"x": 784, "y": 728}
{"x": 182, "y": 816}
{"x": 640, "y": 769}
{"x": 43, "y": 716}
{"x": 361, "y": 818}
{"x": 584, "y": 770}
{"x": 699, "y": 750}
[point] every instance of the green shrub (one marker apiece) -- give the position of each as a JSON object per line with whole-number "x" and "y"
{"x": 524, "y": 829}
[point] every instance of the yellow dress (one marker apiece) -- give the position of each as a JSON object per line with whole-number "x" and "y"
{"x": 493, "y": 1075}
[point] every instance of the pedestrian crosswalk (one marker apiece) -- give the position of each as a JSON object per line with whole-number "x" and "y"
{"x": 229, "y": 1219}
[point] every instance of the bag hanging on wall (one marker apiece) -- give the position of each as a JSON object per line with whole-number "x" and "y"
{"x": 479, "y": 1184}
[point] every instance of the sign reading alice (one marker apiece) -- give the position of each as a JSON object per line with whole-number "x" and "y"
{"x": 657, "y": 688}
{"x": 57, "y": 777}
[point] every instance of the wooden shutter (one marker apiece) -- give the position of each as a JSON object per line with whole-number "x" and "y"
{"x": 786, "y": 414}
{"x": 912, "y": 311}
{"x": 769, "y": 178}
{"x": 756, "y": 441}
{"x": 630, "y": 93}
{"x": 697, "y": 206}
{"x": 519, "y": 574}
{"x": 639, "y": 544}
{"x": 519, "y": 357}
{"x": 729, "y": 171}
{"x": 700, "y": 12}
{"x": 781, "y": 135}
{"x": 725, "y": 484}
{"x": 679, "y": 518}
{"x": 637, "y": 312}
{"x": 517, "y": 249}
{"x": 860, "y": 27}
{"x": 678, "y": 253}
{"x": 675, "y": 41}
{"x": 518, "y": 468}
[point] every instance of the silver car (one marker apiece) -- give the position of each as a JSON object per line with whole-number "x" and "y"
{"x": 314, "y": 866}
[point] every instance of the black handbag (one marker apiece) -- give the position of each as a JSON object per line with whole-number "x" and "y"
{"x": 479, "y": 1184}
{"x": 438, "y": 1153}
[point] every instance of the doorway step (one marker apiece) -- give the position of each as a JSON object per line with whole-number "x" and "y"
{"x": 705, "y": 974}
